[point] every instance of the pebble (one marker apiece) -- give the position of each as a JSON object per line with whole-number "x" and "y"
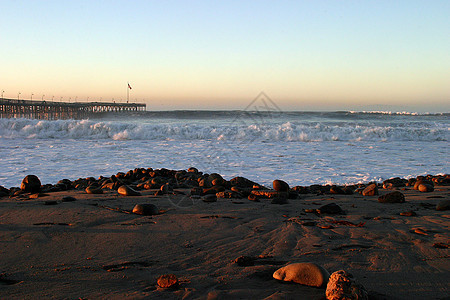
{"x": 31, "y": 183}
{"x": 393, "y": 197}
{"x": 125, "y": 190}
{"x": 371, "y": 190}
{"x": 342, "y": 285}
{"x": 145, "y": 209}
{"x": 309, "y": 274}
{"x": 167, "y": 281}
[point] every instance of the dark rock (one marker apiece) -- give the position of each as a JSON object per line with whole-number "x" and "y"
{"x": 393, "y": 197}
{"x": 267, "y": 194}
{"x": 422, "y": 181}
{"x": 245, "y": 261}
{"x": 371, "y": 190}
{"x": 31, "y": 184}
{"x": 408, "y": 213}
{"x": 280, "y": 186}
{"x": 213, "y": 190}
{"x": 337, "y": 190}
{"x": 443, "y": 205}
{"x": 281, "y": 199}
{"x": 167, "y": 281}
{"x": 228, "y": 195}
{"x": 94, "y": 190}
{"x": 209, "y": 198}
{"x": 301, "y": 189}
{"x": 50, "y": 202}
{"x": 193, "y": 170}
{"x": 253, "y": 197}
{"x": 242, "y": 182}
{"x": 331, "y": 209}
{"x": 4, "y": 191}
{"x": 145, "y": 209}
{"x": 68, "y": 199}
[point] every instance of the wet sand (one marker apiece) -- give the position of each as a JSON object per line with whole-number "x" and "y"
{"x": 95, "y": 248}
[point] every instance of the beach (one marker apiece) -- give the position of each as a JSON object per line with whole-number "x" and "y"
{"x": 220, "y": 242}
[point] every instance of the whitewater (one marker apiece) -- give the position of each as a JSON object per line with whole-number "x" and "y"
{"x": 302, "y": 148}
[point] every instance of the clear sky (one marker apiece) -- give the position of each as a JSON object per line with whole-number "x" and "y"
{"x": 305, "y": 55}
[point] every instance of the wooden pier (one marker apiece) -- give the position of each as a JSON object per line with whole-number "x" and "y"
{"x": 49, "y": 110}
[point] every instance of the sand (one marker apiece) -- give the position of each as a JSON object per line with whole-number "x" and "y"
{"x": 94, "y": 248}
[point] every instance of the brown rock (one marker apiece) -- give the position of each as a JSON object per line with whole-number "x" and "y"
{"x": 309, "y": 274}
{"x": 425, "y": 188}
{"x": 266, "y": 194}
{"x": 125, "y": 190}
{"x": 422, "y": 181}
{"x": 31, "y": 184}
{"x": 443, "y": 205}
{"x": 209, "y": 198}
{"x": 371, "y": 190}
{"x": 393, "y": 197}
{"x": 342, "y": 285}
{"x": 168, "y": 281}
{"x": 93, "y": 190}
{"x": 280, "y": 186}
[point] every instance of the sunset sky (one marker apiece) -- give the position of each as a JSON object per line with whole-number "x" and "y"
{"x": 305, "y": 55}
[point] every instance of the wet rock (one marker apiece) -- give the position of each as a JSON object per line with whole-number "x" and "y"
{"x": 443, "y": 205}
{"x": 94, "y": 190}
{"x": 371, "y": 190}
{"x": 393, "y": 197}
{"x": 341, "y": 285}
{"x": 309, "y": 274}
{"x": 330, "y": 209}
{"x": 145, "y": 209}
{"x": 31, "y": 184}
{"x": 125, "y": 190}
{"x": 167, "y": 281}
{"x": 425, "y": 188}
{"x": 280, "y": 186}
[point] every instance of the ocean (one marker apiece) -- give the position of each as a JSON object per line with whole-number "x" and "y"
{"x": 260, "y": 143}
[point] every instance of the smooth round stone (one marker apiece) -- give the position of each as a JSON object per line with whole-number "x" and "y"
{"x": 168, "y": 281}
{"x": 93, "y": 190}
{"x": 125, "y": 190}
{"x": 309, "y": 274}
{"x": 280, "y": 186}
{"x": 422, "y": 181}
{"x": 371, "y": 190}
{"x": 31, "y": 183}
{"x": 145, "y": 209}
{"x": 342, "y": 285}
{"x": 425, "y": 188}
{"x": 394, "y": 197}
{"x": 331, "y": 209}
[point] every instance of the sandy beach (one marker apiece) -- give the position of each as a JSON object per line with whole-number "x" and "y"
{"x": 69, "y": 244}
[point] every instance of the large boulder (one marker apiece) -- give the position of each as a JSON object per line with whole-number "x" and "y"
{"x": 280, "y": 186}
{"x": 309, "y": 274}
{"x": 394, "y": 197}
{"x": 31, "y": 184}
{"x": 125, "y": 190}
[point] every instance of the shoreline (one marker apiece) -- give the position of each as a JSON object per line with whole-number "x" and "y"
{"x": 221, "y": 239}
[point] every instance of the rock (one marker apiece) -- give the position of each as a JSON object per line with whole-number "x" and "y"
{"x": 242, "y": 182}
{"x": 253, "y": 197}
{"x": 334, "y": 189}
{"x": 145, "y": 209}
{"x": 93, "y": 190}
{"x": 31, "y": 183}
{"x": 193, "y": 170}
{"x": 443, "y": 205}
{"x": 50, "y": 202}
{"x": 168, "y": 281}
{"x": 408, "y": 213}
{"x": 228, "y": 195}
{"x": 68, "y": 199}
{"x": 3, "y": 191}
{"x": 166, "y": 188}
{"x": 425, "y": 188}
{"x": 280, "y": 186}
{"x": 245, "y": 261}
{"x": 342, "y": 285}
{"x": 393, "y": 197}
{"x": 309, "y": 274}
{"x": 125, "y": 190}
{"x": 331, "y": 209}
{"x": 281, "y": 199}
{"x": 422, "y": 181}
{"x": 209, "y": 198}
{"x": 371, "y": 190}
{"x": 267, "y": 194}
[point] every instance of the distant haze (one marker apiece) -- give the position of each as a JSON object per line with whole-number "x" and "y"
{"x": 305, "y": 55}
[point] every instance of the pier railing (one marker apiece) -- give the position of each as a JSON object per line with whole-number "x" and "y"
{"x": 50, "y": 110}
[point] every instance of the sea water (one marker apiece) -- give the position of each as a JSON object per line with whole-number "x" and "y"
{"x": 302, "y": 148}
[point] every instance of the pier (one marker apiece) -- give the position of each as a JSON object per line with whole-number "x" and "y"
{"x": 50, "y": 110}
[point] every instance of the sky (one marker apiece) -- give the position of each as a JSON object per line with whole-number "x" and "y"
{"x": 305, "y": 55}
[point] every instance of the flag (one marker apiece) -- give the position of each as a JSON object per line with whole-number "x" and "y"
{"x": 129, "y": 86}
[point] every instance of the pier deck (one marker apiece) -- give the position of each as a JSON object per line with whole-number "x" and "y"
{"x": 50, "y": 110}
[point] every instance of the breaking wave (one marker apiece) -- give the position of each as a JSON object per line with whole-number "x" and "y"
{"x": 274, "y": 131}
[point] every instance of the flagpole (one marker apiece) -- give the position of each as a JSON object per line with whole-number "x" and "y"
{"x": 128, "y": 91}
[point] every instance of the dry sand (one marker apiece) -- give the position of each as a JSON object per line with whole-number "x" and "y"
{"x": 93, "y": 248}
